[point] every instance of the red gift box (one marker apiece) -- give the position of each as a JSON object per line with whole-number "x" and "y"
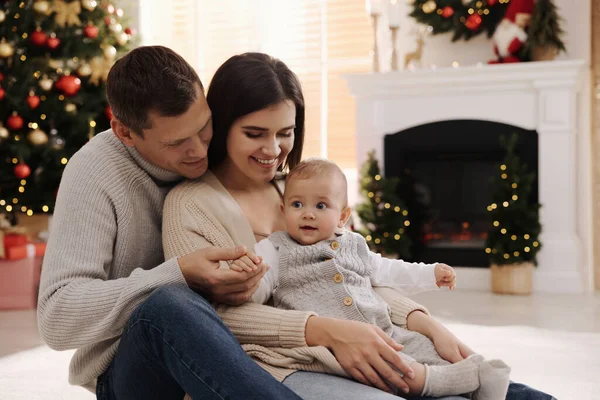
{"x": 14, "y": 239}
{"x": 27, "y": 250}
{"x": 19, "y": 283}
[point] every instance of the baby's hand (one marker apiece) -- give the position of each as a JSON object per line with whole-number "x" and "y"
{"x": 445, "y": 276}
{"x": 245, "y": 263}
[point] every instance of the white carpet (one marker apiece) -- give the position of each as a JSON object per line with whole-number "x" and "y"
{"x": 565, "y": 364}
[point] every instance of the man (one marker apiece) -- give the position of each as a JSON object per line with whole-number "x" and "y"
{"x": 106, "y": 289}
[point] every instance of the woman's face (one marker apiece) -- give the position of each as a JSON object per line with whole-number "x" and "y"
{"x": 258, "y": 143}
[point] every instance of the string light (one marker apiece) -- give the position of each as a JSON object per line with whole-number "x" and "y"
{"x": 503, "y": 167}
{"x": 9, "y": 208}
{"x": 526, "y": 236}
{"x": 2, "y": 203}
{"x": 21, "y": 189}
{"x": 397, "y": 209}
{"x": 45, "y": 209}
{"x": 516, "y": 254}
{"x": 377, "y": 199}
{"x": 486, "y": 11}
{"x": 514, "y": 237}
{"x": 405, "y": 213}
{"x": 64, "y": 161}
{"x": 23, "y": 209}
{"x": 369, "y": 238}
{"x": 23, "y": 182}
{"x": 387, "y": 205}
{"x": 15, "y": 161}
{"x": 503, "y": 231}
{"x": 377, "y": 241}
{"x": 515, "y": 197}
{"x": 377, "y": 177}
{"x": 385, "y": 234}
{"x": 496, "y": 223}
{"x": 514, "y": 185}
{"x": 504, "y": 176}
{"x": 506, "y": 256}
{"x": 371, "y": 194}
{"x": 535, "y": 244}
{"x": 488, "y": 250}
{"x": 397, "y": 237}
{"x": 93, "y": 124}
{"x": 15, "y": 200}
{"x": 527, "y": 249}
{"x": 29, "y": 213}
{"x": 406, "y": 223}
{"x": 43, "y": 117}
{"x": 505, "y": 204}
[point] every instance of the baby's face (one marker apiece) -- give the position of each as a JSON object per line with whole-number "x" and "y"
{"x": 313, "y": 208}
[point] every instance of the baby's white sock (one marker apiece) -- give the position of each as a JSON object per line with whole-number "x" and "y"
{"x": 493, "y": 380}
{"x": 453, "y": 379}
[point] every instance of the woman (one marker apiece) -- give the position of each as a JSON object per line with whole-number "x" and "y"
{"x": 258, "y": 131}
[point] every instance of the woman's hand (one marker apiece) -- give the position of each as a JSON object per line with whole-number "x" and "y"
{"x": 364, "y": 351}
{"x": 448, "y": 346}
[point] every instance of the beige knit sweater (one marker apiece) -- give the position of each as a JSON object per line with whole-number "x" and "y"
{"x": 201, "y": 213}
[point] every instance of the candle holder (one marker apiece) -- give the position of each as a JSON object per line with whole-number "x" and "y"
{"x": 394, "y": 30}
{"x": 375, "y": 18}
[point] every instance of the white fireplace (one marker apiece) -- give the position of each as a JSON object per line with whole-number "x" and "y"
{"x": 544, "y": 96}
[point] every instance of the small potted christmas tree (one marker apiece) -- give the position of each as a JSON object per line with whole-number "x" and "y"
{"x": 544, "y": 35}
{"x": 383, "y": 215}
{"x": 513, "y": 239}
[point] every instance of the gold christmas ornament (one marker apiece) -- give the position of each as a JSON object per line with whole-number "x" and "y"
{"x": 116, "y": 28}
{"x": 6, "y": 50}
{"x": 85, "y": 70}
{"x": 89, "y": 5}
{"x": 4, "y": 134}
{"x": 67, "y": 13}
{"x": 2, "y": 16}
{"x": 122, "y": 38}
{"x": 110, "y": 52}
{"x": 100, "y": 67}
{"x": 43, "y": 7}
{"x": 56, "y": 64}
{"x": 37, "y": 137}
{"x": 70, "y": 107}
{"x": 46, "y": 83}
{"x": 429, "y": 7}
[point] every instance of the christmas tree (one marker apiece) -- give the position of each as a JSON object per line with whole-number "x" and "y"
{"x": 54, "y": 60}
{"x": 464, "y": 18}
{"x": 383, "y": 215}
{"x": 514, "y": 235}
{"x": 545, "y": 29}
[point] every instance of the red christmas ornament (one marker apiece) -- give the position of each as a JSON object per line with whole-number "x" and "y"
{"x": 108, "y": 21}
{"x": 22, "y": 171}
{"x": 69, "y": 85}
{"x": 447, "y": 12}
{"x": 15, "y": 122}
{"x": 38, "y": 38}
{"x": 130, "y": 31}
{"x": 53, "y": 43}
{"x": 91, "y": 31}
{"x": 33, "y": 101}
{"x": 492, "y": 3}
{"x": 2, "y": 93}
{"x": 473, "y": 22}
{"x": 108, "y": 113}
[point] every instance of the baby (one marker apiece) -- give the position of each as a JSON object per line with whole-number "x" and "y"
{"x": 318, "y": 266}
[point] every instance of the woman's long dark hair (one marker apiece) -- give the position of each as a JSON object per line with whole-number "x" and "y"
{"x": 247, "y": 83}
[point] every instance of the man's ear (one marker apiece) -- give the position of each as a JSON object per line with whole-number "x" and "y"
{"x": 282, "y": 207}
{"x": 346, "y": 212}
{"x": 121, "y": 131}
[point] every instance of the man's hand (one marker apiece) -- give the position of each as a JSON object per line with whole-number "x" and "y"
{"x": 202, "y": 273}
{"x": 245, "y": 263}
{"x": 363, "y": 350}
{"x": 445, "y": 276}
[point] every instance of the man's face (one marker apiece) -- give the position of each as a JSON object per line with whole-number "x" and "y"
{"x": 178, "y": 144}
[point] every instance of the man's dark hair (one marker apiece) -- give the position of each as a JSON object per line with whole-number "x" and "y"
{"x": 247, "y": 83}
{"x": 150, "y": 78}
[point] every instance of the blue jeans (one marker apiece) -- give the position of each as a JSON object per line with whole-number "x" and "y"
{"x": 175, "y": 343}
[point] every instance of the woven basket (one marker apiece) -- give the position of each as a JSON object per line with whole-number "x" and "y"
{"x": 512, "y": 278}
{"x": 544, "y": 53}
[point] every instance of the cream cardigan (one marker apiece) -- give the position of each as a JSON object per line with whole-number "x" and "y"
{"x": 201, "y": 213}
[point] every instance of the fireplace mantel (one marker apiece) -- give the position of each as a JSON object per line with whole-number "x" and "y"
{"x": 545, "y": 96}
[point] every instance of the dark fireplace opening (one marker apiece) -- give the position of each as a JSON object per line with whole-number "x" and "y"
{"x": 445, "y": 170}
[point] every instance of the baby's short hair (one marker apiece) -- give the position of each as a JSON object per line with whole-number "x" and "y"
{"x": 315, "y": 166}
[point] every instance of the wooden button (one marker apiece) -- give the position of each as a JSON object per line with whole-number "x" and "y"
{"x": 348, "y": 301}
{"x": 335, "y": 245}
{"x": 337, "y": 278}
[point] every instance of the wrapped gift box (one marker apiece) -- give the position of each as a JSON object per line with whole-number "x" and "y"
{"x": 19, "y": 283}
